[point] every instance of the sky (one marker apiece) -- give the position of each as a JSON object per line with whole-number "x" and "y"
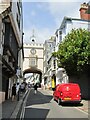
{"x": 45, "y": 17}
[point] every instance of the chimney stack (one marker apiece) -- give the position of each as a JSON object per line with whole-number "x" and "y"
{"x": 85, "y": 11}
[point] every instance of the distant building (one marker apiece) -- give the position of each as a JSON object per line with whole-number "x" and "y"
{"x": 33, "y": 56}
{"x": 49, "y": 62}
{"x": 11, "y": 47}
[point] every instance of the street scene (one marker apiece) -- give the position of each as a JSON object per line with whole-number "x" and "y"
{"x": 42, "y": 105}
{"x": 44, "y": 60}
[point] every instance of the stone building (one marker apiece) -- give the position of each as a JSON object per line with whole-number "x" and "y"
{"x": 11, "y": 47}
{"x": 33, "y": 58}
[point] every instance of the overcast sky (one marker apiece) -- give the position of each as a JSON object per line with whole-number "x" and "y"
{"x": 45, "y": 17}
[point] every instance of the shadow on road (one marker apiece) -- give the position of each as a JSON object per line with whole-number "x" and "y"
{"x": 36, "y": 113}
{"x": 38, "y": 98}
{"x": 34, "y": 105}
{"x": 72, "y": 104}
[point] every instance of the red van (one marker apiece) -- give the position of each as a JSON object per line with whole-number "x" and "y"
{"x": 67, "y": 92}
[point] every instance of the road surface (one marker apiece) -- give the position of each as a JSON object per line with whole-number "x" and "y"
{"x": 42, "y": 105}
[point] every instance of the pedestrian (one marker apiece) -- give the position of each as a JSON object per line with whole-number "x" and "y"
{"x": 17, "y": 91}
{"x": 35, "y": 88}
{"x": 22, "y": 87}
{"x": 13, "y": 92}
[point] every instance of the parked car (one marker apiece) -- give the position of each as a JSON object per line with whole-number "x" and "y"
{"x": 68, "y": 92}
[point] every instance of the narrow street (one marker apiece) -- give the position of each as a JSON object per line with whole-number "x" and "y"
{"x": 43, "y": 106}
{"x": 45, "y": 45}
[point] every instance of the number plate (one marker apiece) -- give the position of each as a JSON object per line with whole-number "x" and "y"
{"x": 67, "y": 98}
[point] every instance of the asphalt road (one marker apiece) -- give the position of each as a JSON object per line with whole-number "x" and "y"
{"x": 43, "y": 106}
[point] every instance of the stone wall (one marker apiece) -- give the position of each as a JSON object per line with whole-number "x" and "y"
{"x": 2, "y": 97}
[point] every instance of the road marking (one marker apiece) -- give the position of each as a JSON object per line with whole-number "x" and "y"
{"x": 23, "y": 107}
{"x": 41, "y": 106}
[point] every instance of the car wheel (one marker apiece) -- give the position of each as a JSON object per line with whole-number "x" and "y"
{"x": 59, "y": 101}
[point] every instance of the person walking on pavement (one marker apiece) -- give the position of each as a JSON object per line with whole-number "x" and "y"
{"x": 35, "y": 88}
{"x": 17, "y": 91}
{"x": 13, "y": 92}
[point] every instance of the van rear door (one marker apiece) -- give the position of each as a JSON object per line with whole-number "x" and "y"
{"x": 71, "y": 92}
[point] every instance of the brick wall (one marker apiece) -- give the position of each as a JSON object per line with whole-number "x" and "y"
{"x": 84, "y": 15}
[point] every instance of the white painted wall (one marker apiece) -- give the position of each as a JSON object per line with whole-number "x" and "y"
{"x": 25, "y": 64}
{"x": 76, "y": 24}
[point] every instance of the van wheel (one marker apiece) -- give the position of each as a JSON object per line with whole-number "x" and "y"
{"x": 59, "y": 101}
{"x": 54, "y": 99}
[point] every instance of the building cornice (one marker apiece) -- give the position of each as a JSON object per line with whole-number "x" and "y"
{"x": 70, "y": 19}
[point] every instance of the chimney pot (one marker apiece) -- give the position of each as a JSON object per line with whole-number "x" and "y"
{"x": 84, "y": 11}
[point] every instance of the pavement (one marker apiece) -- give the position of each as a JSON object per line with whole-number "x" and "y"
{"x": 11, "y": 109}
